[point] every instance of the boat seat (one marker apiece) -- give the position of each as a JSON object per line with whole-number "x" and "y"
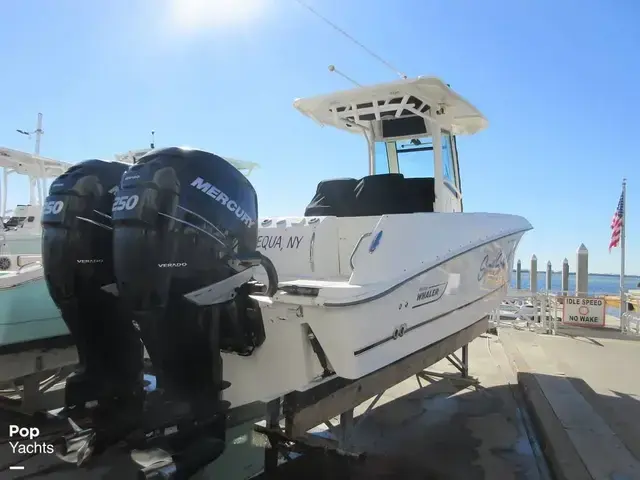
{"x": 381, "y": 194}
{"x": 421, "y": 193}
{"x": 373, "y": 195}
{"x": 335, "y": 197}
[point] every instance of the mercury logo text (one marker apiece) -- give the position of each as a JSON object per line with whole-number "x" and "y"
{"x": 221, "y": 197}
{"x": 172, "y": 265}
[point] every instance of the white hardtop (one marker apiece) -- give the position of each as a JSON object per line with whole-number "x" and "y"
{"x": 32, "y": 165}
{"x": 419, "y": 116}
{"x": 132, "y": 156}
{"x": 366, "y": 107}
{"x": 36, "y": 167}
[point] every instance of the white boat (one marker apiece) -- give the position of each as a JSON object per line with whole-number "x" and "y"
{"x": 380, "y": 286}
{"x": 27, "y": 313}
{"x": 376, "y": 269}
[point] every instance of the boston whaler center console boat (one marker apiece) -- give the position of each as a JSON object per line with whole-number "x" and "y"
{"x": 233, "y": 309}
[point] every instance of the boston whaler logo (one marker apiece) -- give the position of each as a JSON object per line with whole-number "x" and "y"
{"x": 430, "y": 294}
{"x": 221, "y": 197}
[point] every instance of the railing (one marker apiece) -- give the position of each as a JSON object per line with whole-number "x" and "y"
{"x": 543, "y": 311}
{"x": 630, "y": 321}
{"x": 524, "y": 309}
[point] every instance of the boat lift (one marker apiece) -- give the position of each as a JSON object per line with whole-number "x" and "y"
{"x": 289, "y": 419}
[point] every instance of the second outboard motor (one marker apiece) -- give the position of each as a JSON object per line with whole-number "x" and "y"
{"x": 185, "y": 239}
{"x": 78, "y": 262}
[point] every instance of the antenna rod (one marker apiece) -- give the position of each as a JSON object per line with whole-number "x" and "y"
{"x": 38, "y": 133}
{"x": 333, "y": 69}
{"x": 340, "y": 30}
{"x": 153, "y": 139}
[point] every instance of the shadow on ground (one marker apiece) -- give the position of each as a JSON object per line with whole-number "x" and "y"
{"x": 618, "y": 410}
{"x": 446, "y": 430}
{"x": 441, "y": 431}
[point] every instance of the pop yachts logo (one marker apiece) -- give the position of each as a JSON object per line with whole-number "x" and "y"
{"x": 492, "y": 266}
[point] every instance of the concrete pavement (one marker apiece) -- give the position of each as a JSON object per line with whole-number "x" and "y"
{"x": 446, "y": 430}
{"x": 584, "y": 392}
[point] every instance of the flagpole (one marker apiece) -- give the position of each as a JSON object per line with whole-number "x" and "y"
{"x": 623, "y": 303}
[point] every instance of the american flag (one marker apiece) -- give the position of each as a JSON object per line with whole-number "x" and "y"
{"x": 616, "y": 223}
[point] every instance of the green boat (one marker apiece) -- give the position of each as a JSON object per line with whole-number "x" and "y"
{"x": 27, "y": 313}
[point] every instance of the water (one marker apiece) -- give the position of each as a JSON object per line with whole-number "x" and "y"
{"x": 598, "y": 284}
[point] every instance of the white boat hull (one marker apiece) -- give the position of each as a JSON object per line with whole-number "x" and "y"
{"x": 413, "y": 299}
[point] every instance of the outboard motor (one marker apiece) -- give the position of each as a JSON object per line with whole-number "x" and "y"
{"x": 185, "y": 239}
{"x": 78, "y": 262}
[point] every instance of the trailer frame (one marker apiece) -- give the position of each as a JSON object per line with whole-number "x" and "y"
{"x": 288, "y": 419}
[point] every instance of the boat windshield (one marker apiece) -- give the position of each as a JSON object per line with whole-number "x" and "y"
{"x": 414, "y": 157}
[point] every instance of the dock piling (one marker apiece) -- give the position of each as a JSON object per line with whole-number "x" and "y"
{"x": 565, "y": 277}
{"x": 582, "y": 270}
{"x": 533, "y": 274}
{"x": 549, "y": 276}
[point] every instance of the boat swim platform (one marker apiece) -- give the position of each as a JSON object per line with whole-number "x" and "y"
{"x": 460, "y": 419}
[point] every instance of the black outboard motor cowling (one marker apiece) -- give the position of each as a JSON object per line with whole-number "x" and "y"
{"x": 185, "y": 220}
{"x": 78, "y": 261}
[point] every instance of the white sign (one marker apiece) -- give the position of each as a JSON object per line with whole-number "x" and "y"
{"x": 584, "y": 311}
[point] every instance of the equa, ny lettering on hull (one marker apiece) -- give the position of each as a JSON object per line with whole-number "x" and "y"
{"x": 271, "y": 242}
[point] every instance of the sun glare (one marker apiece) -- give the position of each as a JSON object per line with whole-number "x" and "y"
{"x": 196, "y": 14}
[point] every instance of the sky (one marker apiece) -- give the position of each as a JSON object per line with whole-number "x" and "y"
{"x": 557, "y": 80}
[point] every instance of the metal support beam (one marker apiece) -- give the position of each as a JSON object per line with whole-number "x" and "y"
{"x": 303, "y": 411}
{"x": 308, "y": 409}
{"x": 271, "y": 453}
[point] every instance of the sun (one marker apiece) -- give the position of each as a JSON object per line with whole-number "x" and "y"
{"x": 197, "y": 14}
